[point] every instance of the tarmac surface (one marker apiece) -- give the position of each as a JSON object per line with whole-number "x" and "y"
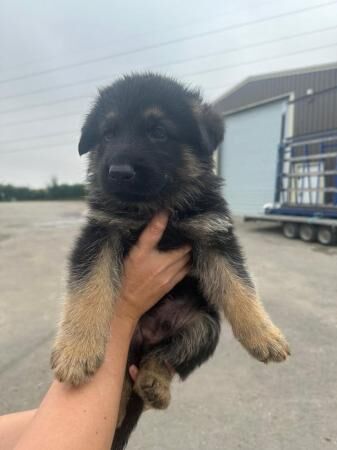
{"x": 232, "y": 402}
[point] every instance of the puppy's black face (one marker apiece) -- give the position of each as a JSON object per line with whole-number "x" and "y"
{"x": 149, "y": 136}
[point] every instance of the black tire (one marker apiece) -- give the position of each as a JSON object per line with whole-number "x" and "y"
{"x": 290, "y": 230}
{"x": 308, "y": 233}
{"x": 326, "y": 236}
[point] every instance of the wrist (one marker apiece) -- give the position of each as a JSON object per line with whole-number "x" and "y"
{"x": 126, "y": 313}
{"x": 127, "y": 309}
{"x": 122, "y": 329}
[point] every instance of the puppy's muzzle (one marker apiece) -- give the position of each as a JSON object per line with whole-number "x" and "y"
{"x": 121, "y": 173}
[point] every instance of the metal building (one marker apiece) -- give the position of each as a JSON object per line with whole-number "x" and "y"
{"x": 261, "y": 112}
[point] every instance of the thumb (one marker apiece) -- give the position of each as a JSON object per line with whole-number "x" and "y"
{"x": 153, "y": 231}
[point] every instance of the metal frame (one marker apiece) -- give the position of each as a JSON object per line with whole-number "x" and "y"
{"x": 291, "y": 186}
{"x": 291, "y": 218}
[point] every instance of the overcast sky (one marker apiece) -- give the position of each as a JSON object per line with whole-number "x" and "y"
{"x": 44, "y": 35}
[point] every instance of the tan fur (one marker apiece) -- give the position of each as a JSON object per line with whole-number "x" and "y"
{"x": 107, "y": 219}
{"x": 250, "y": 323}
{"x": 155, "y": 111}
{"x": 200, "y": 227}
{"x": 109, "y": 118}
{"x": 110, "y": 115}
{"x": 196, "y": 109}
{"x": 80, "y": 343}
{"x": 204, "y": 226}
{"x": 191, "y": 166}
{"x": 153, "y": 384}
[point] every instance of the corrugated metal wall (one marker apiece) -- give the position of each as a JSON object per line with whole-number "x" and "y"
{"x": 312, "y": 114}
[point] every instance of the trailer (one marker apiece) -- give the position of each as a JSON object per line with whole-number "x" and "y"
{"x": 305, "y": 201}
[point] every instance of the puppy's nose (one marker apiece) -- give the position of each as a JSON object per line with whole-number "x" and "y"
{"x": 121, "y": 172}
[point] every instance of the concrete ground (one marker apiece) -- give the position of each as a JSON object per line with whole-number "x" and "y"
{"x": 232, "y": 402}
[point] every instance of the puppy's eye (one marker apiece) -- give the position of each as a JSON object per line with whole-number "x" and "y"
{"x": 108, "y": 136}
{"x": 157, "y": 133}
{"x": 110, "y": 133}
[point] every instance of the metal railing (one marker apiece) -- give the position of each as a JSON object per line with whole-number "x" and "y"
{"x": 307, "y": 171}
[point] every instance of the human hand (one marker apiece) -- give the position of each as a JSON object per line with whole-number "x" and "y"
{"x": 149, "y": 273}
{"x": 133, "y": 372}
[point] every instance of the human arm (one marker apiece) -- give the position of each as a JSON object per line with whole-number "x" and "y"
{"x": 85, "y": 417}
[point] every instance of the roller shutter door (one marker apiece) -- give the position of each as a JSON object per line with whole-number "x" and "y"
{"x": 249, "y": 157}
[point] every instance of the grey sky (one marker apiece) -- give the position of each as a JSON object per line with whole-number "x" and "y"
{"x": 42, "y": 34}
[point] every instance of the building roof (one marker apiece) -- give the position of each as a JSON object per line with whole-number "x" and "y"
{"x": 278, "y": 74}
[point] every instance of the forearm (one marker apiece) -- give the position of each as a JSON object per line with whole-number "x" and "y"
{"x": 83, "y": 418}
{"x": 12, "y": 427}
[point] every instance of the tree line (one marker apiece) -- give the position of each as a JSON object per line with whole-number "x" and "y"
{"x": 53, "y": 191}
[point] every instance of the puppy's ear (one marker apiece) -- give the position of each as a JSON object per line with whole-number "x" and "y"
{"x": 89, "y": 137}
{"x": 211, "y": 127}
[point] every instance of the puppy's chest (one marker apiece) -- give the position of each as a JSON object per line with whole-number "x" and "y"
{"x": 181, "y": 305}
{"x": 174, "y": 237}
{"x": 208, "y": 230}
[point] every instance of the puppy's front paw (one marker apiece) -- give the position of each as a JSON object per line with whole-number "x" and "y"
{"x": 75, "y": 363}
{"x": 266, "y": 343}
{"x": 153, "y": 389}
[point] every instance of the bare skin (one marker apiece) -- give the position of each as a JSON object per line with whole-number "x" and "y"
{"x": 85, "y": 418}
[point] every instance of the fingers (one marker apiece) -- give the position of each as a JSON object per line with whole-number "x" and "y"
{"x": 178, "y": 263}
{"x": 179, "y": 276}
{"x": 177, "y": 271}
{"x": 153, "y": 232}
{"x": 133, "y": 371}
{"x": 179, "y": 253}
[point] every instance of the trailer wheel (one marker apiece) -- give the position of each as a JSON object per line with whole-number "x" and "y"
{"x": 326, "y": 236}
{"x": 290, "y": 230}
{"x": 308, "y": 233}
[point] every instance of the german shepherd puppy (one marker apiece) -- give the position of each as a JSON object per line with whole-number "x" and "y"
{"x": 151, "y": 142}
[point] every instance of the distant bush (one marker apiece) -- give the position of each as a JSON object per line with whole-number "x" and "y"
{"x": 53, "y": 191}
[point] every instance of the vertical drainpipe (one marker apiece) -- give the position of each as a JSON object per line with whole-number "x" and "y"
{"x": 218, "y": 155}
{"x": 287, "y": 131}
{"x": 279, "y": 165}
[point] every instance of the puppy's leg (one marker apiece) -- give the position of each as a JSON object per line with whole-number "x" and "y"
{"x": 192, "y": 339}
{"x": 153, "y": 383}
{"x": 194, "y": 344}
{"x": 225, "y": 281}
{"x": 80, "y": 343}
{"x": 250, "y": 323}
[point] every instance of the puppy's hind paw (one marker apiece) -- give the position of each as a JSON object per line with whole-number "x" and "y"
{"x": 154, "y": 390}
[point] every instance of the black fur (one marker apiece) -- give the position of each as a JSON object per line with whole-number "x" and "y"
{"x": 86, "y": 249}
{"x": 133, "y": 413}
